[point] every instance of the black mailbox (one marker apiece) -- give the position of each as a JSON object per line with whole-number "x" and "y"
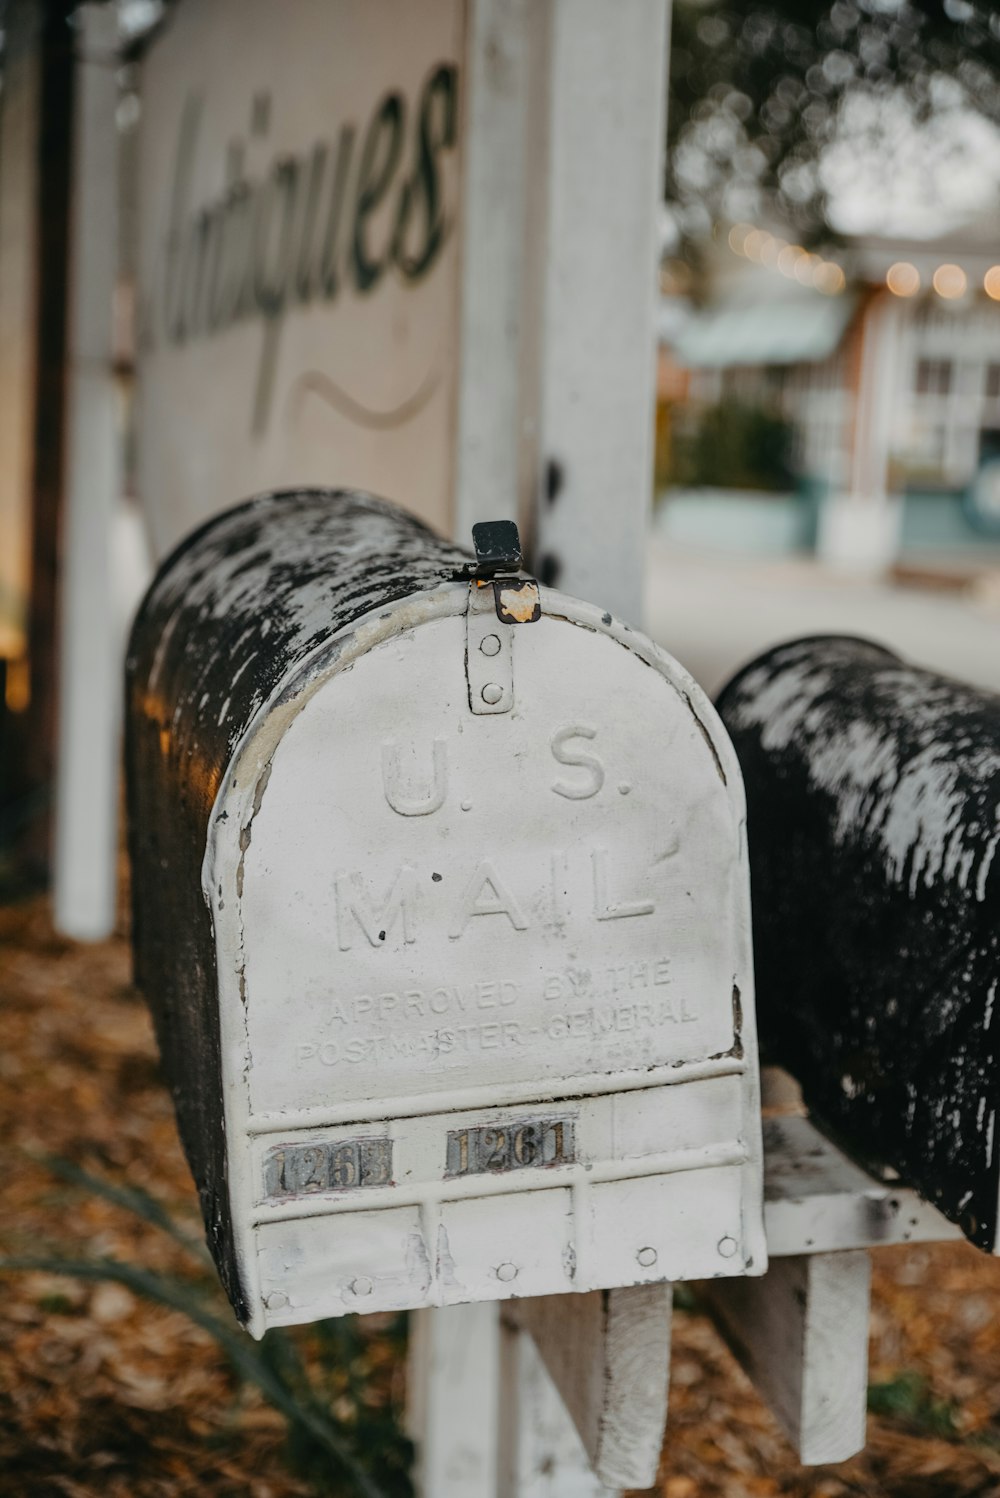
{"x": 873, "y": 795}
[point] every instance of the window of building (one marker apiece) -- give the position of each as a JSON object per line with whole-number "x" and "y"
{"x": 933, "y": 376}
{"x": 993, "y": 382}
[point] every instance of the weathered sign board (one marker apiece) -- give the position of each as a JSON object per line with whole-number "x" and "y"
{"x": 452, "y": 975}
{"x": 298, "y": 252}
{"x": 874, "y": 801}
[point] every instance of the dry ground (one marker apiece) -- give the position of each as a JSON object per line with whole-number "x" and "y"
{"x": 104, "y": 1394}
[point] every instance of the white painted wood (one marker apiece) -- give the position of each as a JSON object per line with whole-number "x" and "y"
{"x": 571, "y": 971}
{"x": 801, "y": 1333}
{"x": 586, "y": 402}
{"x": 601, "y": 170}
{"x": 816, "y": 1200}
{"x": 561, "y": 186}
{"x": 326, "y": 376}
{"x": 19, "y": 109}
{"x": 541, "y": 1454}
{"x": 452, "y": 1400}
{"x": 91, "y": 645}
{"x": 503, "y": 59}
{"x": 608, "y": 1354}
{"x": 484, "y": 1414}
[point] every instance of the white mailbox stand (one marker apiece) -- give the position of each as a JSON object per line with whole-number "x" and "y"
{"x": 801, "y": 1332}
{"x": 91, "y": 645}
{"x": 531, "y": 1451}
{"x": 570, "y": 111}
{"x": 453, "y": 981}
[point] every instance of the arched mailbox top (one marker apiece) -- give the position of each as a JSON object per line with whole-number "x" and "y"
{"x": 254, "y": 593}
{"x": 873, "y": 789}
{"x": 447, "y": 866}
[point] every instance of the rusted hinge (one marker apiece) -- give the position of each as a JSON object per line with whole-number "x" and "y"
{"x": 498, "y": 600}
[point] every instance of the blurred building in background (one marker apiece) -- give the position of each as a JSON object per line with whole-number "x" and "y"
{"x": 846, "y": 404}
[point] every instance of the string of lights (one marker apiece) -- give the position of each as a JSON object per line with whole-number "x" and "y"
{"x": 903, "y": 279}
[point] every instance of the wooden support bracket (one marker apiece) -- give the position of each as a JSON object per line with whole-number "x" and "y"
{"x": 540, "y": 1453}
{"x": 801, "y": 1333}
{"x": 608, "y": 1354}
{"x": 816, "y": 1200}
{"x": 498, "y": 1428}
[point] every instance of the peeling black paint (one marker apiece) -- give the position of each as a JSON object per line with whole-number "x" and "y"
{"x": 873, "y": 792}
{"x": 230, "y": 616}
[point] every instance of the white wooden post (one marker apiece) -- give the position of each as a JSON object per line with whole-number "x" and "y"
{"x": 561, "y": 188}
{"x": 90, "y": 654}
{"x": 541, "y": 1454}
{"x": 801, "y": 1332}
{"x": 598, "y": 242}
{"x": 476, "y": 1371}
{"x": 494, "y": 451}
{"x": 453, "y": 1399}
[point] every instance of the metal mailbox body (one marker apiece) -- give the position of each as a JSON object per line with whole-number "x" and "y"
{"x": 874, "y": 799}
{"x": 444, "y": 922}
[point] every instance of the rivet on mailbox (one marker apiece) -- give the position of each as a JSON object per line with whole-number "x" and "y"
{"x": 444, "y": 979}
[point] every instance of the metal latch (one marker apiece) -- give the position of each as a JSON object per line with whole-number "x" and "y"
{"x": 498, "y": 600}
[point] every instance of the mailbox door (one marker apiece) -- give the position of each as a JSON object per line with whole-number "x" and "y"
{"x": 485, "y": 973}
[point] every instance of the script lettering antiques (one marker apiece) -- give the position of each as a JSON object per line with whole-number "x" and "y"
{"x": 478, "y": 961}
{"x": 305, "y": 226}
{"x": 298, "y": 215}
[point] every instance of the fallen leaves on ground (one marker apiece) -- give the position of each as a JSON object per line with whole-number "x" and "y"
{"x": 106, "y": 1395}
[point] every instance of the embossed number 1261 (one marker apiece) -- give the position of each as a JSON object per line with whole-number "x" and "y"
{"x": 514, "y": 1146}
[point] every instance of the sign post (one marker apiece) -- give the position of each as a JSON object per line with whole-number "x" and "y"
{"x": 91, "y": 645}
{"x": 570, "y": 114}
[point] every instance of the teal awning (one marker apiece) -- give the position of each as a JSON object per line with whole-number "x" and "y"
{"x": 800, "y": 330}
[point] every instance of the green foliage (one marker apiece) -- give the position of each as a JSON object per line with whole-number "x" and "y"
{"x": 140, "y": 1203}
{"x": 757, "y": 93}
{"x": 336, "y": 1431}
{"x": 907, "y": 1398}
{"x": 733, "y": 447}
{"x": 55, "y": 1305}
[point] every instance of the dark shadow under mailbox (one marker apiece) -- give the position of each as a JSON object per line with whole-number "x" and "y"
{"x": 873, "y": 798}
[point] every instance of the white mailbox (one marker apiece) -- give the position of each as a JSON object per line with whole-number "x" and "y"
{"x": 441, "y": 904}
